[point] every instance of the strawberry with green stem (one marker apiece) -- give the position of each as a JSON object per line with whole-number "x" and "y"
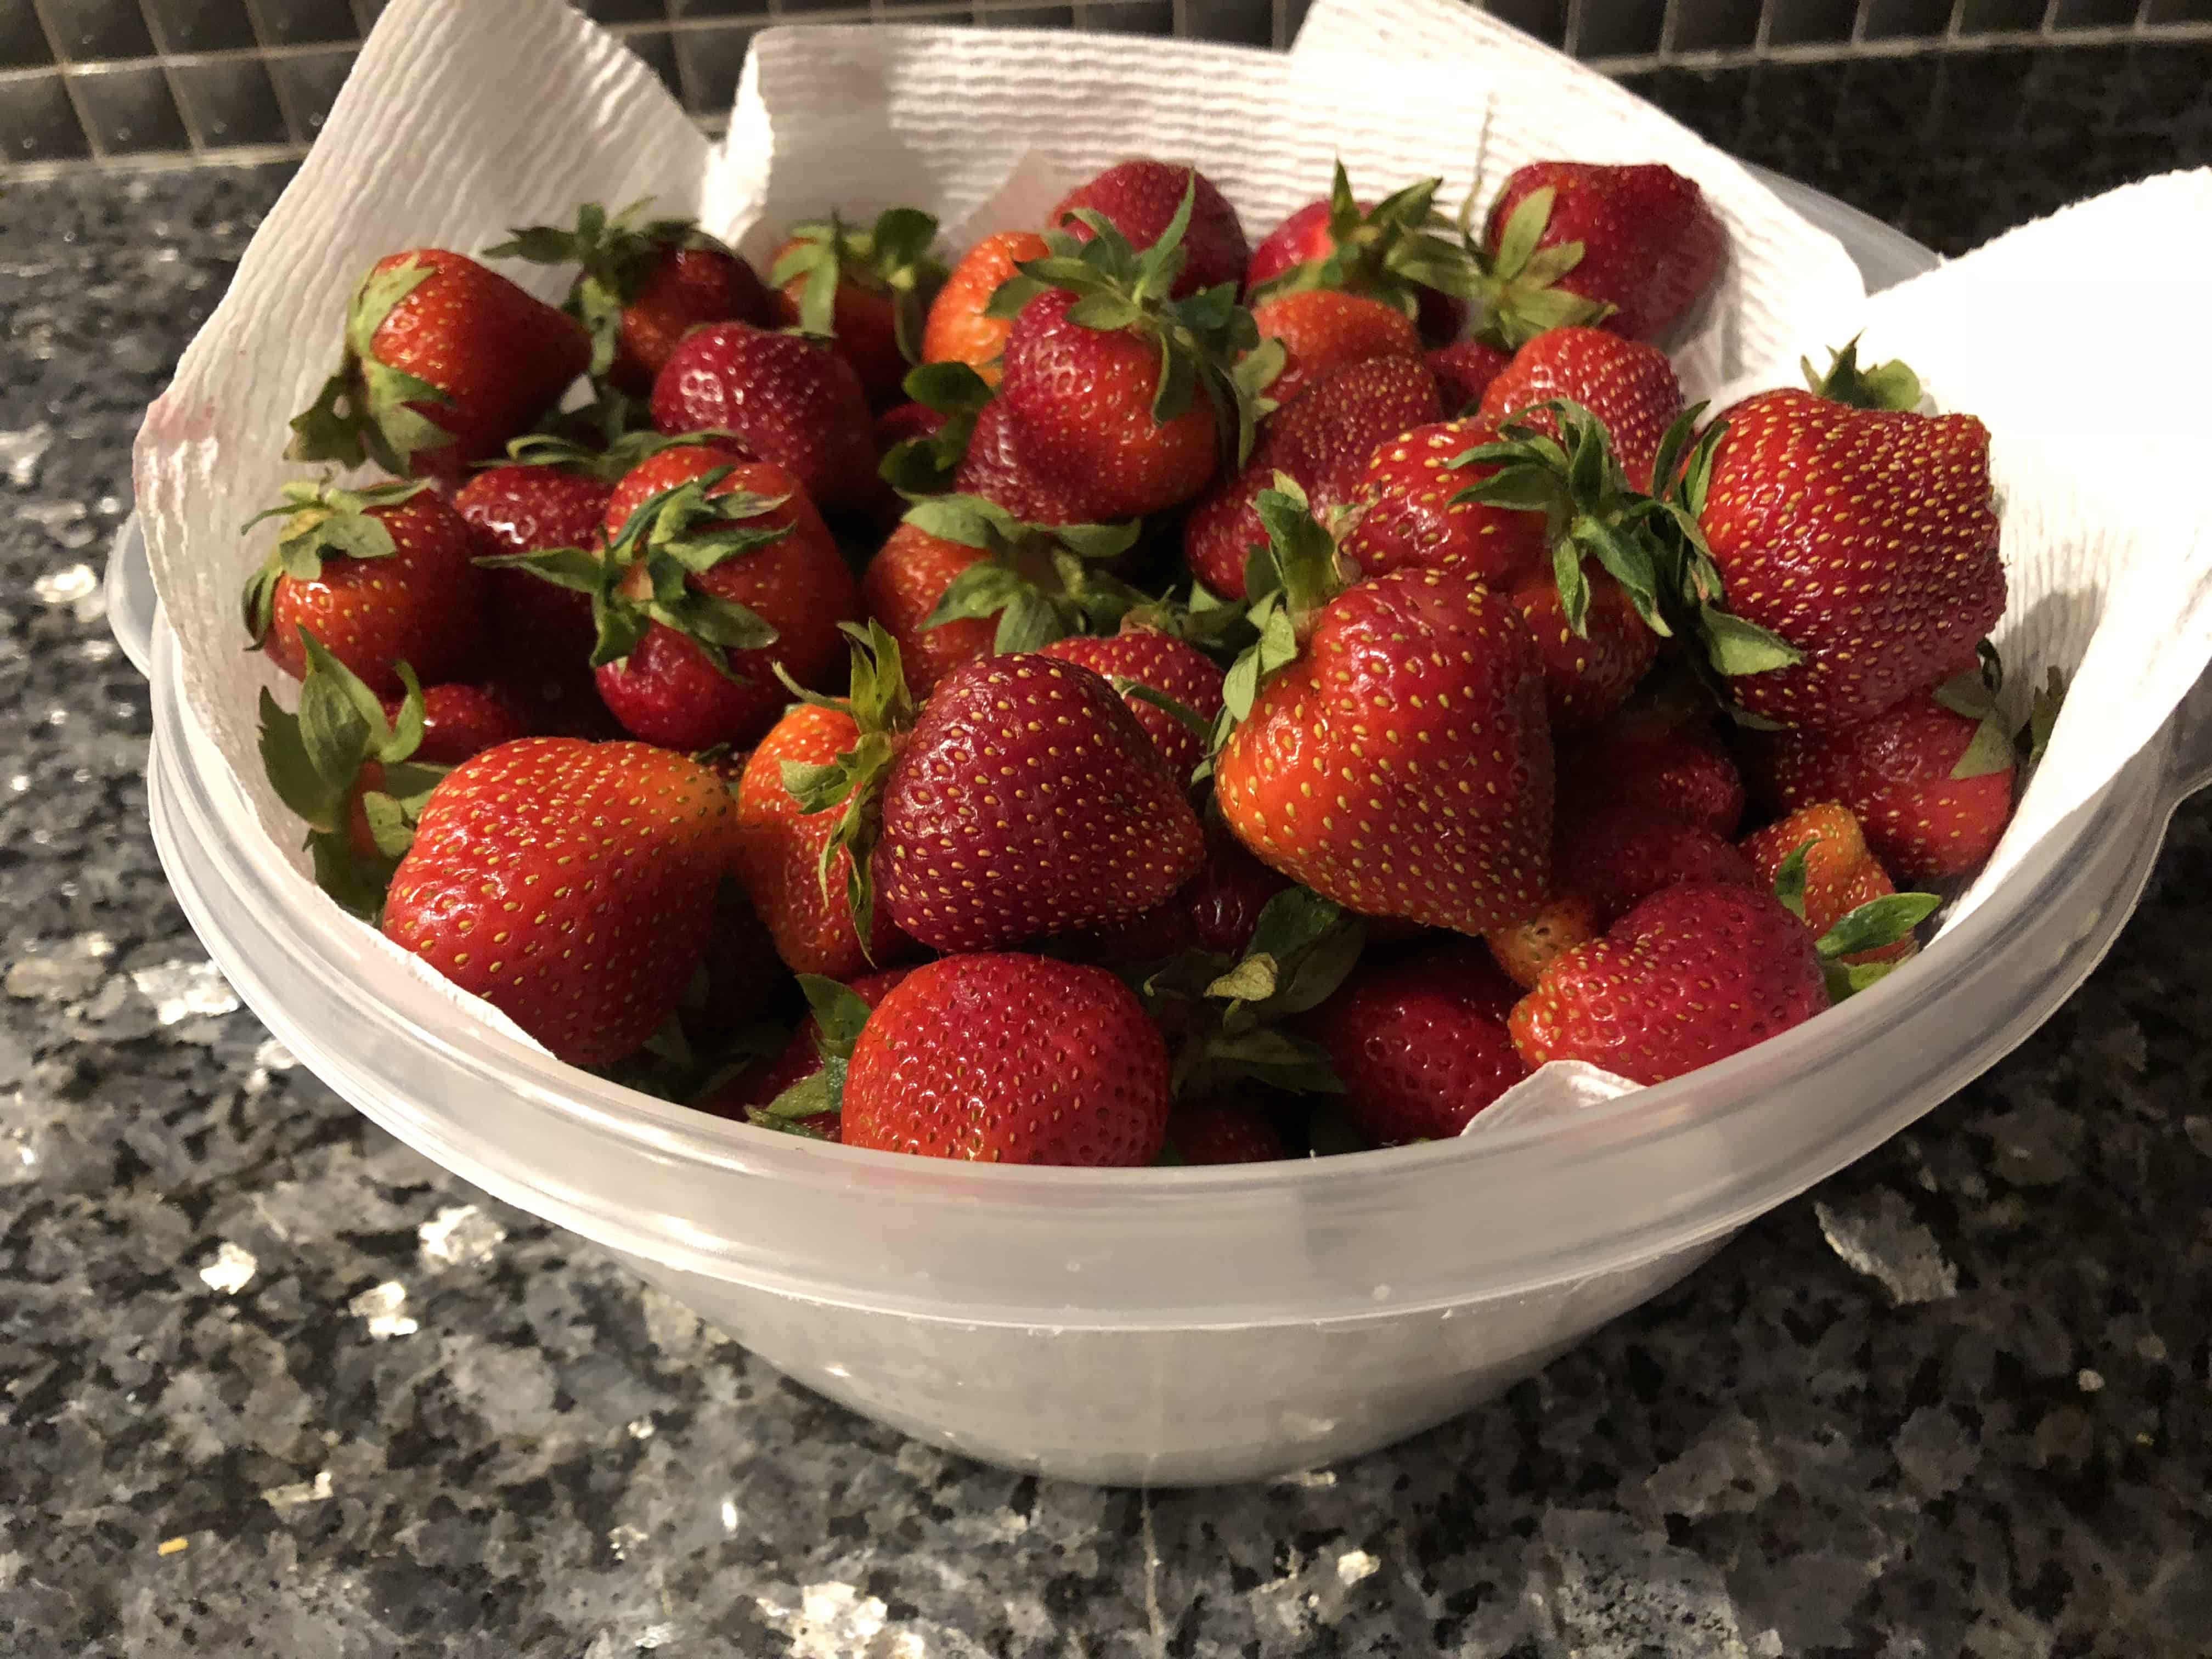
{"x": 1173, "y": 687}
{"x": 867, "y": 290}
{"x": 1817, "y": 864}
{"x": 960, "y": 329}
{"x": 347, "y": 768}
{"x": 925, "y": 462}
{"x": 1115, "y": 390}
{"x": 641, "y": 284}
{"x": 379, "y": 574}
{"x": 1322, "y": 330}
{"x": 1149, "y": 201}
{"x": 444, "y": 361}
{"x": 801, "y": 1089}
{"x": 1398, "y": 251}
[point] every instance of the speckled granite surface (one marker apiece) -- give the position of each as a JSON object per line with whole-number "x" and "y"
{"x": 274, "y": 1385}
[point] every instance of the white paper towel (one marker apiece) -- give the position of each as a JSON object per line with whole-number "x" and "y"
{"x": 2106, "y": 578}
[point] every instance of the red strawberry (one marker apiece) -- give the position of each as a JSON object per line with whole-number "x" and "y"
{"x": 643, "y": 285}
{"x": 570, "y": 885}
{"x": 444, "y": 362}
{"x": 795, "y": 857}
{"x": 1029, "y": 801}
{"x": 788, "y": 399}
{"x": 1410, "y": 516}
{"x": 1223, "y": 900}
{"x": 1166, "y": 666}
{"x": 959, "y": 329}
{"x": 994, "y": 468}
{"x": 1931, "y": 788}
{"x": 758, "y": 1086}
{"x": 869, "y": 290}
{"x": 462, "y": 720}
{"x": 528, "y": 507}
{"x": 1008, "y": 1059}
{"x": 1464, "y": 371}
{"x": 1654, "y": 761}
{"x": 717, "y": 569}
{"x": 1587, "y": 676}
{"x": 1691, "y": 975}
{"x": 905, "y": 422}
{"x": 1865, "y": 538}
{"x": 1322, "y": 330}
{"x": 1421, "y": 1043}
{"x": 1223, "y": 1132}
{"x": 1840, "y": 873}
{"x": 1321, "y": 443}
{"x": 1386, "y": 250}
{"x": 1140, "y": 199}
{"x": 902, "y": 587}
{"x": 1619, "y": 855}
{"x": 1525, "y": 948}
{"x": 1650, "y": 248}
{"x": 379, "y": 575}
{"x": 1399, "y": 762}
{"x": 1630, "y": 387}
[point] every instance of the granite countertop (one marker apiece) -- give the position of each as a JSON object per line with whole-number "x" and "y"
{"x": 274, "y": 1384}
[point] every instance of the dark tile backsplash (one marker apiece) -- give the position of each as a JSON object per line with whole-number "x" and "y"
{"x": 89, "y": 81}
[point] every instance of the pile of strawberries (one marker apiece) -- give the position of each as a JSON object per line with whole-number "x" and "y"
{"x": 1131, "y": 696}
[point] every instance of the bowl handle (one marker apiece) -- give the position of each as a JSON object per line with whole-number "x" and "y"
{"x": 132, "y": 605}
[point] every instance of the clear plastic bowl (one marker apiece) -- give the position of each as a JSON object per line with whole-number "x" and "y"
{"x": 1165, "y": 1327}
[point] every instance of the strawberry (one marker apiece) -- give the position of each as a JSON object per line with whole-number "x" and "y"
{"x": 814, "y": 1046}
{"x": 1618, "y": 855}
{"x": 1865, "y": 539}
{"x": 1391, "y": 750}
{"x": 1691, "y": 975}
{"x": 1421, "y": 1043}
{"x": 1590, "y": 673}
{"x": 961, "y": 577}
{"x": 1142, "y": 199}
{"x": 1837, "y": 873}
{"x": 444, "y": 361}
{"x": 350, "y": 767}
{"x": 801, "y": 865}
{"x": 379, "y": 575}
{"x": 1643, "y": 241}
{"x": 1525, "y": 948}
{"x": 741, "y": 975}
{"x": 1164, "y": 666}
{"x": 1630, "y": 387}
{"x": 867, "y": 290}
{"x": 1464, "y": 370}
{"x": 1007, "y": 1059}
{"x": 1654, "y": 761}
{"x": 992, "y": 467}
{"x": 569, "y": 885}
{"x": 785, "y": 397}
{"x": 1102, "y": 370}
{"x": 460, "y": 721}
{"x": 1225, "y": 899}
{"x": 960, "y": 329}
{"x": 530, "y": 506}
{"x": 1388, "y": 251}
{"x": 1930, "y": 786}
{"x": 642, "y": 285}
{"x": 1322, "y": 330}
{"x": 1414, "y": 514}
{"x": 1223, "y": 1131}
{"x": 906, "y": 423}
{"x": 1029, "y": 800}
{"x": 1322, "y": 442}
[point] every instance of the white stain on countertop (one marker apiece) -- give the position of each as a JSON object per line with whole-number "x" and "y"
{"x": 232, "y": 1270}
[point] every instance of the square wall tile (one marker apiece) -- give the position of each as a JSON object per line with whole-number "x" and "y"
{"x": 306, "y": 87}
{"x": 1715, "y": 25}
{"x": 1625, "y": 28}
{"x": 1800, "y": 22}
{"x": 633, "y": 11}
{"x": 99, "y": 30}
{"x": 1127, "y": 16}
{"x": 38, "y": 123}
{"x": 229, "y": 102}
{"x": 305, "y": 22}
{"x": 995, "y": 16}
{"x": 1888, "y": 20}
{"x": 129, "y": 112}
{"x": 22, "y": 39}
{"x": 2094, "y": 14}
{"x": 1237, "y": 22}
{"x": 713, "y": 59}
{"x": 201, "y": 24}
{"x": 1545, "y": 19}
{"x": 2179, "y": 11}
{"x": 1991, "y": 16}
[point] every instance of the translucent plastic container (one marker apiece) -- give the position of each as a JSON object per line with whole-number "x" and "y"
{"x": 1172, "y": 1327}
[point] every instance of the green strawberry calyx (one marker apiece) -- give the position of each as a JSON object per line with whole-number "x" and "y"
{"x": 368, "y": 411}
{"x": 924, "y": 465}
{"x": 1390, "y": 252}
{"x": 616, "y": 252}
{"x": 320, "y": 521}
{"x": 1207, "y": 343}
{"x": 1233, "y": 1009}
{"x": 891, "y": 258}
{"x": 1876, "y": 924}
{"x": 645, "y": 575}
{"x": 1042, "y": 582}
{"x": 1515, "y": 283}
{"x": 606, "y": 462}
{"x": 840, "y": 1015}
{"x": 337, "y": 755}
{"x": 881, "y": 709}
{"x": 1288, "y": 580}
{"x": 1890, "y": 385}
